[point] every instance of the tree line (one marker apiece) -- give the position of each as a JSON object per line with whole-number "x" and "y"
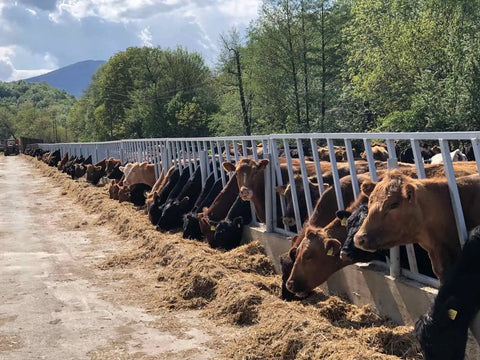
{"x": 302, "y": 66}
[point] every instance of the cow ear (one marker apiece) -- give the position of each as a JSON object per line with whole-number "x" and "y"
{"x": 262, "y": 164}
{"x": 343, "y": 214}
{"x": 292, "y": 253}
{"x": 313, "y": 181}
{"x": 408, "y": 192}
{"x": 281, "y": 189}
{"x": 228, "y": 166}
{"x": 332, "y": 246}
{"x": 238, "y": 222}
{"x": 367, "y": 187}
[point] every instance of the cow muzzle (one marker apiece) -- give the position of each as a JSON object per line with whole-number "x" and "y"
{"x": 365, "y": 242}
{"x": 246, "y": 194}
{"x": 289, "y": 221}
{"x": 345, "y": 256}
{"x": 295, "y": 289}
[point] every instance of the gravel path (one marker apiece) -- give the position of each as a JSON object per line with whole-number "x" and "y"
{"x": 52, "y": 303}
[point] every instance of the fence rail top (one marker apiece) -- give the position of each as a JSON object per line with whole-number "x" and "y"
{"x": 460, "y": 135}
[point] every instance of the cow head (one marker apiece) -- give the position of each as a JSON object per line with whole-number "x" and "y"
{"x": 172, "y": 214}
{"x": 124, "y": 194}
{"x": 316, "y": 258}
{"x": 286, "y": 264}
{"x": 79, "y": 171}
{"x": 228, "y": 233}
{"x": 115, "y": 173}
{"x": 286, "y": 190}
{"x": 191, "y": 227}
{"x": 155, "y": 209}
{"x": 207, "y": 230}
{"x": 443, "y": 334}
{"x": 393, "y": 217}
{"x": 94, "y": 173}
{"x": 110, "y": 165}
{"x": 249, "y": 174}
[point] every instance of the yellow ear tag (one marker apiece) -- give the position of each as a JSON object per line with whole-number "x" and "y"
{"x": 344, "y": 222}
{"x": 239, "y": 226}
{"x": 330, "y": 252}
{"x": 452, "y": 314}
{"x": 212, "y": 228}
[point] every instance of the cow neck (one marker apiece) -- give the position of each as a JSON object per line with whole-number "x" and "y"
{"x": 438, "y": 227}
{"x": 258, "y": 198}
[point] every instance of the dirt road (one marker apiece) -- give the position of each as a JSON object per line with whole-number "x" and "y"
{"x": 52, "y": 303}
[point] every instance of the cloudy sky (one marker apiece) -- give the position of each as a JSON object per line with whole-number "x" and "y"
{"x": 37, "y": 36}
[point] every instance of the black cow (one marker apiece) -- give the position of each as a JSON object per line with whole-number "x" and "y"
{"x": 443, "y": 331}
{"x": 156, "y": 207}
{"x": 173, "y": 211}
{"x": 70, "y": 169}
{"x": 138, "y": 194}
{"x": 191, "y": 226}
{"x": 116, "y": 173}
{"x": 354, "y": 221}
{"x": 286, "y": 263}
{"x": 88, "y": 160}
{"x": 228, "y": 232}
{"x": 54, "y": 158}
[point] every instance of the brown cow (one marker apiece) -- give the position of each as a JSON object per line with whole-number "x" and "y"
{"x": 62, "y": 162}
{"x": 158, "y": 186}
{"x": 141, "y": 173}
{"x": 110, "y": 164}
{"x": 379, "y": 153}
{"x": 324, "y": 153}
{"x": 251, "y": 179}
{"x": 323, "y": 272}
{"x": 403, "y": 210}
{"x": 316, "y": 257}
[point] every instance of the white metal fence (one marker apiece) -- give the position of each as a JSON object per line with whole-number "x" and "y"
{"x": 193, "y": 152}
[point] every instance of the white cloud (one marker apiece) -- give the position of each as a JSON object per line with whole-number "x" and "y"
{"x": 146, "y": 37}
{"x": 25, "y": 74}
{"x": 46, "y": 34}
{"x": 11, "y": 70}
{"x": 31, "y": 11}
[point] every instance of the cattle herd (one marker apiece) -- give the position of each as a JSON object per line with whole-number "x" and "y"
{"x": 398, "y": 209}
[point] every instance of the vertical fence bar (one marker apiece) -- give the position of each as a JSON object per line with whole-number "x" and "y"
{"x": 454, "y": 194}
{"x": 392, "y": 163}
{"x": 305, "y": 179}
{"x": 318, "y": 168}
{"x": 220, "y": 159}
{"x": 293, "y": 188}
{"x": 269, "y": 194}
{"x": 370, "y": 160}
{"x": 353, "y": 169}
{"x": 336, "y": 178}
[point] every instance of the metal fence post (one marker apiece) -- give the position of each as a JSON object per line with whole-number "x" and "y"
{"x": 269, "y": 193}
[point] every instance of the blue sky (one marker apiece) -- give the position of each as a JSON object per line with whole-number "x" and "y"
{"x": 37, "y": 36}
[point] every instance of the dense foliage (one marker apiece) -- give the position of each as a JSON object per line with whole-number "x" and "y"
{"x": 34, "y": 110}
{"x": 303, "y": 65}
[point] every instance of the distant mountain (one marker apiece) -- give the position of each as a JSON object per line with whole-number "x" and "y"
{"x": 72, "y": 78}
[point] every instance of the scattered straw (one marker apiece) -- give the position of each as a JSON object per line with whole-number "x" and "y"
{"x": 237, "y": 287}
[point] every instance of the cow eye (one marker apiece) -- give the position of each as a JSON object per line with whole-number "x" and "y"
{"x": 394, "y": 205}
